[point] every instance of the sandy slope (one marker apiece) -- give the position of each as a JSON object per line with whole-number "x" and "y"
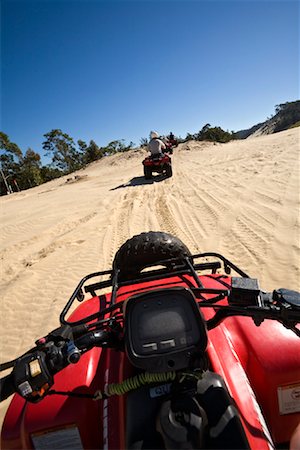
{"x": 240, "y": 199}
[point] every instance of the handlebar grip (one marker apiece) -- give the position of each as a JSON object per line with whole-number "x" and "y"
{"x": 7, "y": 387}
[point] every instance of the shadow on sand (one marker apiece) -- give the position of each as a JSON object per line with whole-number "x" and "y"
{"x": 138, "y": 181}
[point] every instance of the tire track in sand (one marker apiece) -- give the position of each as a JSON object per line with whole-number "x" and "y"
{"x": 56, "y": 238}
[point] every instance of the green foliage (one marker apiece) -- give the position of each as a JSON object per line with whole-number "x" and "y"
{"x": 30, "y": 173}
{"x": 11, "y": 159}
{"x": 82, "y": 146}
{"x": 143, "y": 142}
{"x": 8, "y": 164}
{"x": 91, "y": 153}
{"x": 117, "y": 146}
{"x": 65, "y": 156}
{"x": 206, "y": 129}
{"x": 287, "y": 114}
{"x": 23, "y": 172}
{"x": 49, "y": 173}
{"x": 4, "y": 141}
{"x": 213, "y": 134}
{"x": 297, "y": 124}
{"x": 9, "y": 147}
{"x": 9, "y": 170}
{"x": 190, "y": 137}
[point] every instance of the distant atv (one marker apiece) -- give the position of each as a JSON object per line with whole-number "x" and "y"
{"x": 159, "y": 164}
{"x": 172, "y": 142}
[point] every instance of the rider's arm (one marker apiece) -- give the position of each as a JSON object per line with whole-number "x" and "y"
{"x": 162, "y": 144}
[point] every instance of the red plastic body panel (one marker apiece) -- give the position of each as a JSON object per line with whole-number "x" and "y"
{"x": 156, "y": 162}
{"x": 270, "y": 356}
{"x": 253, "y": 361}
{"x": 56, "y": 412}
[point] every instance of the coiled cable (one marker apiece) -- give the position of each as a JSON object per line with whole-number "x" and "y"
{"x": 142, "y": 379}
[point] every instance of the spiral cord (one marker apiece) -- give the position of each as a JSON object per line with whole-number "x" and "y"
{"x": 133, "y": 383}
{"x": 138, "y": 381}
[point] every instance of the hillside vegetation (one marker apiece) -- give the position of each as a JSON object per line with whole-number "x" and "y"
{"x": 287, "y": 115}
{"x": 23, "y": 171}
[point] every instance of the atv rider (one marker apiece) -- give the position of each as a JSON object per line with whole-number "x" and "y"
{"x": 156, "y": 145}
{"x": 171, "y": 137}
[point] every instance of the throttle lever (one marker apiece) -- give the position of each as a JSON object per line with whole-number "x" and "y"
{"x": 97, "y": 338}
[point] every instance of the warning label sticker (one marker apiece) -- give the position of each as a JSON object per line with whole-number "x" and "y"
{"x": 289, "y": 398}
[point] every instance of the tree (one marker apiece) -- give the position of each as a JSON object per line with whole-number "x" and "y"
{"x": 11, "y": 160}
{"x": 10, "y": 147}
{"x": 8, "y": 170}
{"x": 117, "y": 146}
{"x": 215, "y": 134}
{"x": 287, "y": 114}
{"x": 50, "y": 173}
{"x": 129, "y": 147}
{"x": 190, "y": 137}
{"x": 30, "y": 170}
{"x": 91, "y": 153}
{"x": 143, "y": 142}
{"x": 82, "y": 146}
{"x": 205, "y": 129}
{"x": 64, "y": 153}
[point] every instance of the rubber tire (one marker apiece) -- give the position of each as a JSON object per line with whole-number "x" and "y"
{"x": 169, "y": 171}
{"x": 147, "y": 172}
{"x": 147, "y": 248}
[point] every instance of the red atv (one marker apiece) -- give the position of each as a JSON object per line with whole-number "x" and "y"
{"x": 173, "y": 142}
{"x": 159, "y": 164}
{"x": 178, "y": 355}
{"x": 170, "y": 144}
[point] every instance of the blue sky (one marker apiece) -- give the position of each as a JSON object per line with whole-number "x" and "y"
{"x": 106, "y": 70}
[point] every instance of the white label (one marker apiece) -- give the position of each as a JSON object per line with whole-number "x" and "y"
{"x": 289, "y": 398}
{"x": 68, "y": 438}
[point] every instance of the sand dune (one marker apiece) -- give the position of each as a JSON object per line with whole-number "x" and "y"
{"x": 240, "y": 199}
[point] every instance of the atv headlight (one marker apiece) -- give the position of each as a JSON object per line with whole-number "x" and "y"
{"x": 163, "y": 329}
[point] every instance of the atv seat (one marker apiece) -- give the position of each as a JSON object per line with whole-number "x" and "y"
{"x": 156, "y": 157}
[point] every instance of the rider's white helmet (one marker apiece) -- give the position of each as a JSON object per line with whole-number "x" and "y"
{"x": 154, "y": 134}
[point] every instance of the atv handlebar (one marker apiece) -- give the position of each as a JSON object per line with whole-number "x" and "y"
{"x": 7, "y": 387}
{"x": 33, "y": 372}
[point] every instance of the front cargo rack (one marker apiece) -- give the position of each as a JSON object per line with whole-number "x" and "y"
{"x": 182, "y": 266}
